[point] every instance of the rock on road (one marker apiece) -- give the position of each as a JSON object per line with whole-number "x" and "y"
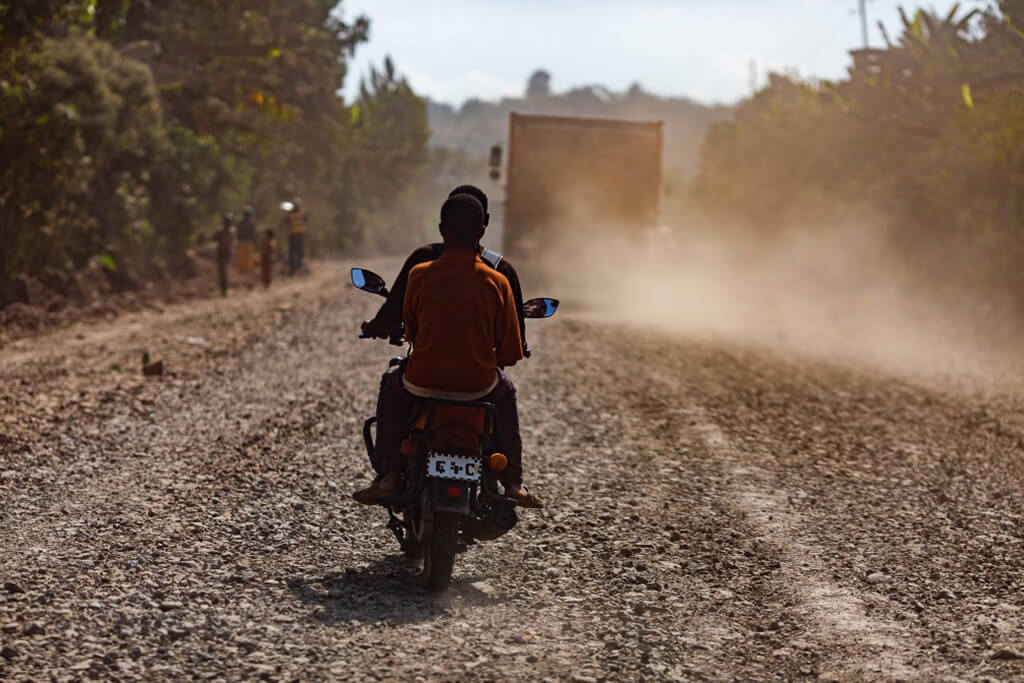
{"x": 716, "y": 511}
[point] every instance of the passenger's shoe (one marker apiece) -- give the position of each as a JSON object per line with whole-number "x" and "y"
{"x": 523, "y": 497}
{"x": 382, "y": 487}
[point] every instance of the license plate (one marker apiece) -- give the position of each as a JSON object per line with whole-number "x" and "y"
{"x": 457, "y": 467}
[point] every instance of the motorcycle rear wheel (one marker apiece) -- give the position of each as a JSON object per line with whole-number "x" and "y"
{"x": 439, "y": 553}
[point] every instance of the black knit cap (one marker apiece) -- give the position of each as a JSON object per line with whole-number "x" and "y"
{"x": 473, "y": 191}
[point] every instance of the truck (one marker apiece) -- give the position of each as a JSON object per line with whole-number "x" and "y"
{"x": 569, "y": 176}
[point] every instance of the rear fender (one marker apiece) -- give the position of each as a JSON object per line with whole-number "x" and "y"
{"x": 441, "y": 501}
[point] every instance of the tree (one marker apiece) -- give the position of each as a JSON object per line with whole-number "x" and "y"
{"x": 928, "y": 130}
{"x": 77, "y": 144}
{"x": 391, "y": 146}
{"x": 147, "y": 118}
{"x": 539, "y": 84}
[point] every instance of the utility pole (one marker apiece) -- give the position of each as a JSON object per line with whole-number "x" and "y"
{"x": 863, "y": 11}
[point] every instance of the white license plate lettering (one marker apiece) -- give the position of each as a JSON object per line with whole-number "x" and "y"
{"x": 457, "y": 467}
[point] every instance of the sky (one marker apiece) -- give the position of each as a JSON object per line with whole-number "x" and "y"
{"x": 452, "y": 50}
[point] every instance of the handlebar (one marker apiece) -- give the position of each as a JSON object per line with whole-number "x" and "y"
{"x": 395, "y": 338}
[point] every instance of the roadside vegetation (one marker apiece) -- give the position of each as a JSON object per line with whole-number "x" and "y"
{"x": 926, "y": 133}
{"x": 128, "y": 126}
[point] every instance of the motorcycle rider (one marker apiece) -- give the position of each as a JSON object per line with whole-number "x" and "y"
{"x": 389, "y": 317}
{"x": 462, "y": 318}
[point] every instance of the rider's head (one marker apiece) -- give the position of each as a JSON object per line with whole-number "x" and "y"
{"x": 462, "y": 221}
{"x": 474, "y": 191}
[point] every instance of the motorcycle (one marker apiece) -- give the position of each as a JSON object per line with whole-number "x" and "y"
{"x": 449, "y": 496}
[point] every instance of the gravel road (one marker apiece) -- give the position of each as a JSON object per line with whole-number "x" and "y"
{"x": 716, "y": 511}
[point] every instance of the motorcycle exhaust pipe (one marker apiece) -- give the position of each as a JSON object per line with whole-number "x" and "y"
{"x": 505, "y": 518}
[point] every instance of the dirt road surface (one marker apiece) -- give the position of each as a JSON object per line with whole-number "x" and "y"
{"x": 717, "y": 511}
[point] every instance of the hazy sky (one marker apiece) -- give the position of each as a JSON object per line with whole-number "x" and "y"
{"x": 455, "y": 49}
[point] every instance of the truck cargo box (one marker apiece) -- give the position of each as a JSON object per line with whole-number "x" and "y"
{"x": 567, "y": 176}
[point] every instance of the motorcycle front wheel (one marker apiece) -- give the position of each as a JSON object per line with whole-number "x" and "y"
{"x": 439, "y": 554}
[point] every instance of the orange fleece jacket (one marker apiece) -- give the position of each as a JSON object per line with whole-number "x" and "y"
{"x": 460, "y": 315}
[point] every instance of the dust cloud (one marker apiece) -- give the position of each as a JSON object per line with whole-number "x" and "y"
{"x": 833, "y": 291}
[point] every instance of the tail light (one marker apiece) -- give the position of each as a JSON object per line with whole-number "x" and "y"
{"x": 497, "y": 462}
{"x": 453, "y": 491}
{"x": 410, "y": 447}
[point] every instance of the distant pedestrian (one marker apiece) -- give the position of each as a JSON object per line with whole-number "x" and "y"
{"x": 296, "y": 220}
{"x": 225, "y": 249}
{"x": 245, "y": 260}
{"x": 268, "y": 250}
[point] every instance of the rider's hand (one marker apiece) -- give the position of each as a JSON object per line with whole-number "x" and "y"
{"x": 370, "y": 330}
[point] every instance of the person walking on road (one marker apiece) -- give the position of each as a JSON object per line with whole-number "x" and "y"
{"x": 296, "y": 220}
{"x": 245, "y": 259}
{"x": 225, "y": 249}
{"x": 267, "y": 253}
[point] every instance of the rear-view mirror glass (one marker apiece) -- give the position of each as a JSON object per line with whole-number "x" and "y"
{"x": 368, "y": 281}
{"x": 543, "y": 307}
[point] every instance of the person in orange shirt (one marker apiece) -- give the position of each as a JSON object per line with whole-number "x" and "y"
{"x": 461, "y": 317}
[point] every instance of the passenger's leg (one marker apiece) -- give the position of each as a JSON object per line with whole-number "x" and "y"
{"x": 389, "y": 413}
{"x": 394, "y": 411}
{"x": 509, "y": 440}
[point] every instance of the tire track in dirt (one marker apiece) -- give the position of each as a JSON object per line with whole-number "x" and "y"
{"x": 873, "y": 489}
{"x": 856, "y": 646}
{"x": 831, "y": 618}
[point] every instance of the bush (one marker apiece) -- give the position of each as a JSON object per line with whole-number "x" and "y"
{"x": 930, "y": 130}
{"x": 135, "y": 129}
{"x": 80, "y": 125}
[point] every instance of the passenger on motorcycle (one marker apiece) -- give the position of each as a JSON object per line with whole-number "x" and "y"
{"x": 462, "y": 318}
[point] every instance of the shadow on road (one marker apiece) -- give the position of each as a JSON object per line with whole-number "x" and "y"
{"x": 388, "y": 589}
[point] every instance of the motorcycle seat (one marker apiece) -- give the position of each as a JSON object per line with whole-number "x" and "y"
{"x": 453, "y": 427}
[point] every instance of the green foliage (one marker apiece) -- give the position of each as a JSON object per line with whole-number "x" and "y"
{"x": 930, "y": 130}
{"x": 129, "y": 125}
{"x": 410, "y": 216}
{"x": 20, "y": 20}
{"x": 392, "y": 128}
{"x": 80, "y": 125}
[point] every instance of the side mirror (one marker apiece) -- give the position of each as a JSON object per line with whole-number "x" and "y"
{"x": 369, "y": 281}
{"x": 540, "y": 308}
